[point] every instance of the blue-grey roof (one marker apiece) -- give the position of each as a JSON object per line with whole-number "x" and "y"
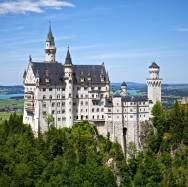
{"x": 130, "y": 98}
{"x": 154, "y": 65}
{"x": 117, "y": 94}
{"x": 55, "y": 73}
{"x": 134, "y": 98}
{"x": 68, "y": 59}
{"x": 123, "y": 84}
{"x": 126, "y": 99}
{"x": 24, "y": 75}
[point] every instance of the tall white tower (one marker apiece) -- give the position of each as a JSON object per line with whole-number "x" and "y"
{"x": 68, "y": 76}
{"x": 50, "y": 49}
{"x": 154, "y": 84}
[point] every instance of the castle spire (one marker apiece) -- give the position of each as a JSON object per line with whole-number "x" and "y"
{"x": 30, "y": 58}
{"x": 50, "y": 49}
{"x": 50, "y": 37}
{"x": 68, "y": 60}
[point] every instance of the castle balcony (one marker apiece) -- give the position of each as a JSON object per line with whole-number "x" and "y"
{"x": 29, "y": 96}
{"x": 29, "y": 101}
{"x": 29, "y": 106}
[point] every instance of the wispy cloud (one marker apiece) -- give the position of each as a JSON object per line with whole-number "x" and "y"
{"x": 21, "y": 41}
{"x": 127, "y": 55}
{"x": 182, "y": 29}
{"x": 35, "y": 6}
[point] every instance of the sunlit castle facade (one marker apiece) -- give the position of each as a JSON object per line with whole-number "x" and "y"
{"x": 73, "y": 93}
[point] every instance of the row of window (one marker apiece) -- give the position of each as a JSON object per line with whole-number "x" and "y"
{"x": 81, "y": 96}
{"x": 75, "y": 88}
{"x": 93, "y": 110}
{"x": 63, "y": 89}
{"x": 131, "y": 116}
{"x": 98, "y": 110}
{"x": 131, "y": 103}
{"x": 50, "y": 97}
{"x": 83, "y": 103}
{"x": 29, "y": 89}
{"x": 81, "y": 110}
{"x": 63, "y": 104}
{"x": 125, "y": 110}
{"x": 58, "y": 112}
{"x": 135, "y": 103}
{"x": 51, "y": 89}
{"x": 82, "y": 117}
{"x": 63, "y": 96}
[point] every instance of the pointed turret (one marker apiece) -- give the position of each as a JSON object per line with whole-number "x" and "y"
{"x": 37, "y": 78}
{"x": 123, "y": 91}
{"x": 30, "y": 58}
{"x": 68, "y": 60}
{"x": 24, "y": 75}
{"x": 123, "y": 84}
{"x": 68, "y": 77}
{"x": 107, "y": 77}
{"x": 50, "y": 37}
{"x": 50, "y": 49}
{"x": 154, "y": 65}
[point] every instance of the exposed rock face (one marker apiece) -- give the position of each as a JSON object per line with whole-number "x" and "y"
{"x": 145, "y": 129}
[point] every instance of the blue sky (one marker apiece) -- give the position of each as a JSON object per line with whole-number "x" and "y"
{"x": 126, "y": 34}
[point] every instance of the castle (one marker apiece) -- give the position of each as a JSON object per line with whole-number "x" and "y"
{"x": 73, "y": 93}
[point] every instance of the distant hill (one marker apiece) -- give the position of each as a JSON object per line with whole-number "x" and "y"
{"x": 11, "y": 89}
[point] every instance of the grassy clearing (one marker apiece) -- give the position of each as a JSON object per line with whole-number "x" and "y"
{"x": 11, "y": 103}
{"x": 6, "y": 115}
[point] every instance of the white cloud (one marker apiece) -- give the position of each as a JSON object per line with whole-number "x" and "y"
{"x": 36, "y": 6}
{"x": 55, "y": 3}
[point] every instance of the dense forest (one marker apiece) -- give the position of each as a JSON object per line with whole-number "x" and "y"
{"x": 79, "y": 156}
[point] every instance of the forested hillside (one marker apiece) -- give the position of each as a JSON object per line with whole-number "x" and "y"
{"x": 164, "y": 159}
{"x": 78, "y": 156}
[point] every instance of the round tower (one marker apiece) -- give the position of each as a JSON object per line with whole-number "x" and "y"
{"x": 154, "y": 84}
{"x": 68, "y": 77}
{"x": 50, "y": 49}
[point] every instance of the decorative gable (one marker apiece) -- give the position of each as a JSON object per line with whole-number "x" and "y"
{"x": 29, "y": 76}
